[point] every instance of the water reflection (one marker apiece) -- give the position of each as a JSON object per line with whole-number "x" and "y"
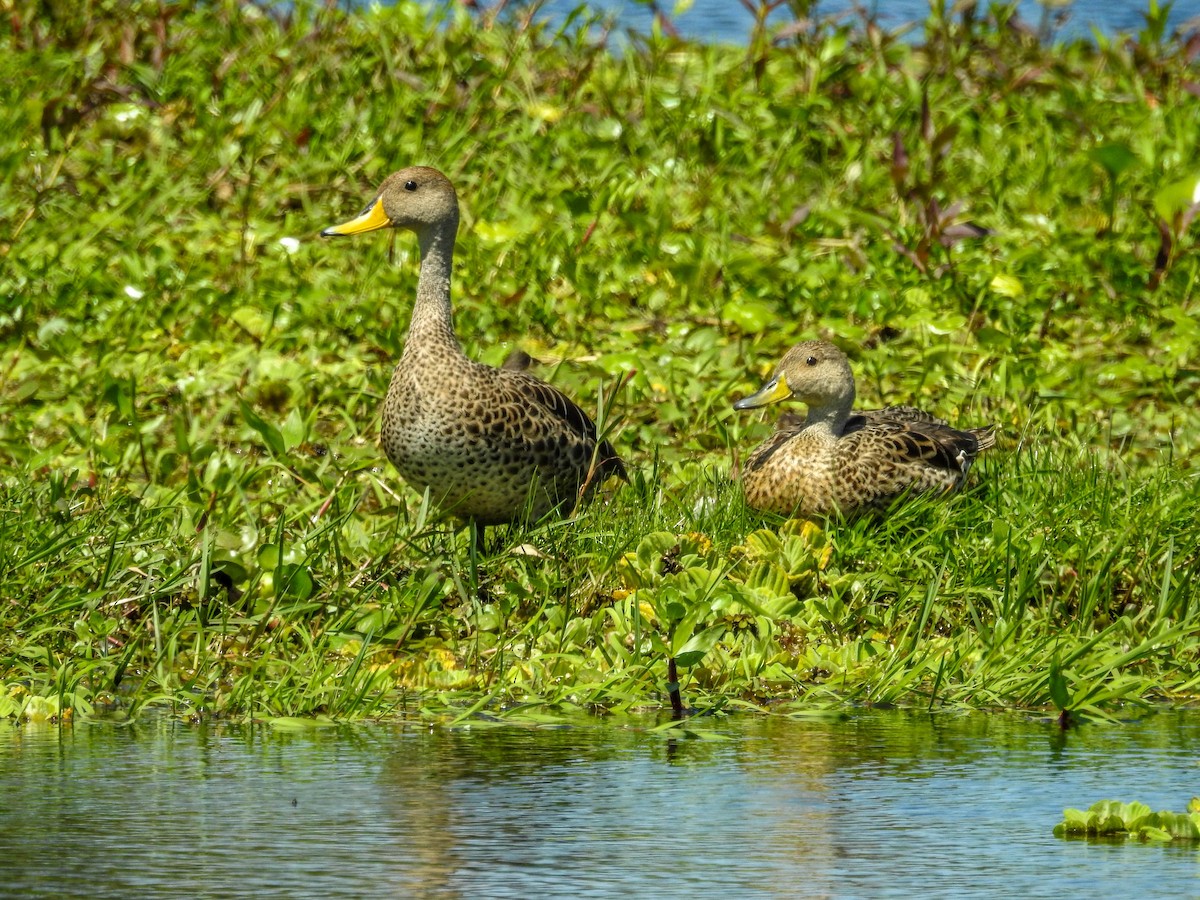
{"x": 878, "y": 804}
{"x": 596, "y": 814}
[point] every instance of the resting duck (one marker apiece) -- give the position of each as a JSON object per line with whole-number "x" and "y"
{"x": 837, "y": 460}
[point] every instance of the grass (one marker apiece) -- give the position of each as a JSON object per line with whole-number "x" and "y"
{"x": 196, "y": 513}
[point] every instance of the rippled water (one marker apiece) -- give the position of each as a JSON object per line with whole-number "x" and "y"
{"x": 872, "y": 805}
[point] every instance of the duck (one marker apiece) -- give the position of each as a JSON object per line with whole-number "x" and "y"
{"x": 491, "y": 446}
{"x": 842, "y": 461}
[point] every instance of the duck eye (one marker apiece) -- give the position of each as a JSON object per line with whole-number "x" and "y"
{"x": 812, "y": 360}
{"x": 410, "y": 185}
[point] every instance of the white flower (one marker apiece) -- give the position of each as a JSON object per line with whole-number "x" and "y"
{"x": 289, "y": 244}
{"x": 133, "y": 293}
{"x": 127, "y": 112}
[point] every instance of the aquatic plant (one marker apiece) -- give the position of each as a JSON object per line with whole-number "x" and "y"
{"x": 1113, "y": 819}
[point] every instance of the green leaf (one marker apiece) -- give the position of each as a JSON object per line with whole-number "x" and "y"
{"x": 1075, "y": 819}
{"x": 294, "y": 581}
{"x": 268, "y": 557}
{"x": 1114, "y": 158}
{"x": 750, "y": 316}
{"x": 699, "y": 644}
{"x": 1134, "y": 813}
{"x": 269, "y": 433}
{"x": 1180, "y": 825}
{"x": 119, "y": 393}
{"x": 769, "y": 578}
{"x": 1007, "y": 285}
{"x": 672, "y": 610}
{"x": 295, "y": 429}
{"x": 1176, "y": 197}
{"x": 764, "y": 544}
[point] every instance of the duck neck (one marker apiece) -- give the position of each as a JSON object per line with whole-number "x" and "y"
{"x": 829, "y": 420}
{"x": 432, "y": 321}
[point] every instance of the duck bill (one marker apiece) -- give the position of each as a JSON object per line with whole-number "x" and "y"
{"x": 772, "y": 392}
{"x": 370, "y": 219}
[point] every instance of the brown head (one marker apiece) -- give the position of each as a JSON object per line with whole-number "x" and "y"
{"x": 417, "y": 198}
{"x": 815, "y": 372}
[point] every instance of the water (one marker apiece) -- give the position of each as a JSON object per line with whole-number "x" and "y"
{"x": 873, "y": 805}
{"x": 728, "y": 21}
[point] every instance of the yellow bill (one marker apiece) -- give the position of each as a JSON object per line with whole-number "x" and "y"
{"x": 370, "y": 219}
{"x": 772, "y": 392}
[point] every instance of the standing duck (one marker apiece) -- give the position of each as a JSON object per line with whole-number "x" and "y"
{"x": 490, "y": 445}
{"x": 840, "y": 461}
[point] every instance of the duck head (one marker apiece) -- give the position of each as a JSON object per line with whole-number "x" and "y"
{"x": 417, "y": 198}
{"x": 815, "y": 372}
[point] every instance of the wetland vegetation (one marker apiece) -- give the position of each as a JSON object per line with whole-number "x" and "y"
{"x": 194, "y": 509}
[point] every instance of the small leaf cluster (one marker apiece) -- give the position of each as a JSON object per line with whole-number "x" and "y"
{"x": 1113, "y": 819}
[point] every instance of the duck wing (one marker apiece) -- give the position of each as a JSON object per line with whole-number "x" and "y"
{"x": 863, "y": 417}
{"x": 568, "y": 422}
{"x": 922, "y": 441}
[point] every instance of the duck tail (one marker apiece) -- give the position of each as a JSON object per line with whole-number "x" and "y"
{"x": 986, "y": 436}
{"x": 609, "y": 464}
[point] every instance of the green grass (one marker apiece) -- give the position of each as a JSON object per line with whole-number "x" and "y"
{"x": 194, "y": 510}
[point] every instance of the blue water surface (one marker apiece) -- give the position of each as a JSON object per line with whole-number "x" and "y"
{"x": 729, "y": 21}
{"x": 870, "y": 804}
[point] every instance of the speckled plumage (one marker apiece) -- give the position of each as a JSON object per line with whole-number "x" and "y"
{"x": 488, "y": 444}
{"x": 841, "y": 461}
